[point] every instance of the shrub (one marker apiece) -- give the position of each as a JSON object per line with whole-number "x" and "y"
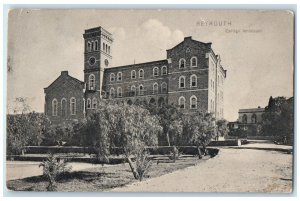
{"x": 142, "y": 163}
{"x": 52, "y": 168}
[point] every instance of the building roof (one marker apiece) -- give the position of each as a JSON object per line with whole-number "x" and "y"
{"x": 252, "y": 110}
{"x": 65, "y": 73}
{"x": 190, "y": 38}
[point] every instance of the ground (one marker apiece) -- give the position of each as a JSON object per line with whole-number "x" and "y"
{"x": 256, "y": 167}
{"x": 250, "y": 168}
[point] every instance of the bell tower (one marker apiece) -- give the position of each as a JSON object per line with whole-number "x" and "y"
{"x": 97, "y": 56}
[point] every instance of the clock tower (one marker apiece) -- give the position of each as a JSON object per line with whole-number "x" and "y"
{"x": 97, "y": 56}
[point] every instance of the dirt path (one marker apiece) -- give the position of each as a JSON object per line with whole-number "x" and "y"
{"x": 233, "y": 170}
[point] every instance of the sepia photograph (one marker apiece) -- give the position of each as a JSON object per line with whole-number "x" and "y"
{"x": 150, "y": 100}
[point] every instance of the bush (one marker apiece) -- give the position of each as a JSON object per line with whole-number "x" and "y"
{"x": 52, "y": 168}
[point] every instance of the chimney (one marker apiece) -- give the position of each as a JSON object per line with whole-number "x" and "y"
{"x": 188, "y": 38}
{"x": 64, "y": 72}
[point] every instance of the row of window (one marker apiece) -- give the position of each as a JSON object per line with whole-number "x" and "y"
{"x": 91, "y": 104}
{"x": 193, "y": 62}
{"x": 182, "y": 81}
{"x": 193, "y": 102}
{"x": 133, "y": 90}
{"x": 63, "y": 103}
{"x": 140, "y": 72}
{"x": 193, "y": 81}
{"x": 253, "y": 119}
{"x": 94, "y": 46}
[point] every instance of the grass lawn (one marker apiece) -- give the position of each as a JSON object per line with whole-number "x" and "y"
{"x": 101, "y": 178}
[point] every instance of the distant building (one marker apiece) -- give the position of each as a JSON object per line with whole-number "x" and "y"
{"x": 191, "y": 77}
{"x": 249, "y": 120}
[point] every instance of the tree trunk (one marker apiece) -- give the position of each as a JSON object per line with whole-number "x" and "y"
{"x": 199, "y": 152}
{"x": 168, "y": 137}
{"x": 174, "y": 154}
{"x": 205, "y": 150}
{"x": 133, "y": 170}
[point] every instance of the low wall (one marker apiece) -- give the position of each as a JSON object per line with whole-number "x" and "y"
{"x": 255, "y": 137}
{"x": 159, "y": 150}
{"x": 154, "y": 152}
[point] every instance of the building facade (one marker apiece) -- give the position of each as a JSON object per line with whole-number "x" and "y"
{"x": 249, "y": 120}
{"x": 191, "y": 77}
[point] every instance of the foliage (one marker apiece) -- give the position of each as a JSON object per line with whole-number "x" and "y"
{"x": 200, "y": 127}
{"x": 25, "y": 129}
{"x": 52, "y": 168}
{"x": 222, "y": 128}
{"x": 59, "y": 134}
{"x": 143, "y": 163}
{"x": 132, "y": 128}
{"x": 96, "y": 131}
{"x": 278, "y": 119}
{"x": 170, "y": 120}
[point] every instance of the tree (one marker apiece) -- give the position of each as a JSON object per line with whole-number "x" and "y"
{"x": 96, "y": 131}
{"x": 171, "y": 123}
{"x": 278, "y": 118}
{"x": 135, "y": 128}
{"x": 222, "y": 128}
{"x": 201, "y": 129}
{"x": 25, "y": 129}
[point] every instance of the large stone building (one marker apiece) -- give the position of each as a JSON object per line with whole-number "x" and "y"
{"x": 191, "y": 77}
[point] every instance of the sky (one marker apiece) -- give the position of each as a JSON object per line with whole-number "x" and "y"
{"x": 256, "y": 48}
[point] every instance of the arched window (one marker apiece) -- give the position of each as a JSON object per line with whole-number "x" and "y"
{"x": 112, "y": 77}
{"x": 92, "y": 82}
{"x": 193, "y": 102}
{"x": 141, "y": 90}
{"x": 133, "y": 90}
{"x": 119, "y": 76}
{"x": 133, "y": 74}
{"x": 193, "y": 80}
{"x": 93, "y": 47}
{"x": 155, "y": 88}
{"x": 96, "y": 44}
{"x": 94, "y": 104}
{"x": 63, "y": 107}
{"x": 164, "y": 88}
{"x": 181, "y": 102}
{"x": 244, "y": 120}
{"x": 181, "y": 82}
{"x": 164, "y": 70}
{"x": 253, "y": 119}
{"x": 119, "y": 91}
{"x": 141, "y": 73}
{"x": 88, "y": 103}
{"x": 89, "y": 46}
{"x": 182, "y": 63}
{"x": 112, "y": 92}
{"x": 73, "y": 106}
{"x": 194, "y": 61}
{"x": 54, "y": 107}
{"x": 103, "y": 47}
{"x": 108, "y": 49}
{"x": 155, "y": 71}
